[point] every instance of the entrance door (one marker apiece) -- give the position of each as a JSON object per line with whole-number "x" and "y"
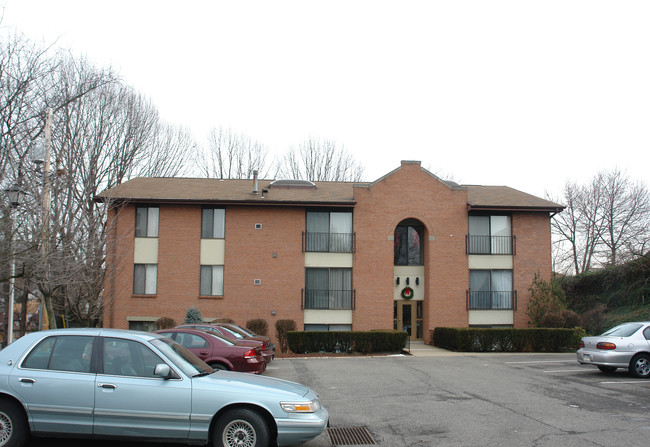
{"x": 407, "y": 317}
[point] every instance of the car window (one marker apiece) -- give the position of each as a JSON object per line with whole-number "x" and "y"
{"x": 63, "y": 353}
{"x": 129, "y": 358}
{"x": 624, "y": 330}
{"x": 646, "y": 333}
{"x": 191, "y": 341}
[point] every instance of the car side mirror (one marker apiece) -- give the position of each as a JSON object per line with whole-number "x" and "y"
{"x": 162, "y": 370}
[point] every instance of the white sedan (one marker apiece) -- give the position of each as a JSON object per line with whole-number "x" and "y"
{"x": 624, "y": 346}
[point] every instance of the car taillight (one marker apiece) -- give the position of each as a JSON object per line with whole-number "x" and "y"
{"x": 252, "y": 356}
{"x": 582, "y": 344}
{"x": 606, "y": 345}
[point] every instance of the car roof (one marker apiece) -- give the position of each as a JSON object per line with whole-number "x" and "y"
{"x": 103, "y": 332}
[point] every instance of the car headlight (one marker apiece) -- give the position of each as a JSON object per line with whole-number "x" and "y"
{"x": 301, "y": 407}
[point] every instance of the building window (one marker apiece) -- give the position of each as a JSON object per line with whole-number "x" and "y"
{"x": 328, "y": 327}
{"x": 146, "y": 221}
{"x": 490, "y": 290}
{"x": 213, "y": 223}
{"x": 328, "y": 288}
{"x": 490, "y": 235}
{"x": 407, "y": 243}
{"x": 211, "y": 280}
{"x": 146, "y": 326}
{"x": 144, "y": 279}
{"x": 329, "y": 232}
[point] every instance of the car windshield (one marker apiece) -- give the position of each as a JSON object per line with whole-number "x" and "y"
{"x": 243, "y": 330}
{"x": 182, "y": 358}
{"x": 223, "y": 340}
{"x": 624, "y": 330}
{"x": 230, "y": 331}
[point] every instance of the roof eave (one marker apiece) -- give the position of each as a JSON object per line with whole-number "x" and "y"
{"x": 257, "y": 202}
{"x": 539, "y": 209}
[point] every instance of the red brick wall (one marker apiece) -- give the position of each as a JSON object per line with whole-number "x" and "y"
{"x": 410, "y": 192}
{"x": 118, "y": 283}
{"x": 249, "y": 255}
{"x": 533, "y": 232}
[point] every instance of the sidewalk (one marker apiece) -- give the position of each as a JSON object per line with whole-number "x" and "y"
{"x": 420, "y": 349}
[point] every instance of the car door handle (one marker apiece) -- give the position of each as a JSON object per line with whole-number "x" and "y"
{"x": 108, "y": 386}
{"x": 26, "y": 380}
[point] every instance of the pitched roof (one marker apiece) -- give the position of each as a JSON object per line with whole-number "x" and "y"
{"x": 504, "y": 197}
{"x": 201, "y": 190}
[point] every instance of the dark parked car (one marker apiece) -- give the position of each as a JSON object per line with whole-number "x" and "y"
{"x": 235, "y": 333}
{"x": 218, "y": 352}
{"x": 624, "y": 346}
{"x": 106, "y": 383}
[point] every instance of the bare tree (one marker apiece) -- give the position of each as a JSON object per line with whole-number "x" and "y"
{"x": 319, "y": 160}
{"x": 103, "y": 134}
{"x": 231, "y": 155}
{"x": 171, "y": 153}
{"x": 626, "y": 215}
{"x": 604, "y": 223}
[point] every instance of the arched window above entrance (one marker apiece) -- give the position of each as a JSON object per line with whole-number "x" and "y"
{"x": 408, "y": 248}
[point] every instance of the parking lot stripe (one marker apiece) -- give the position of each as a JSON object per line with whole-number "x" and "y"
{"x": 540, "y": 361}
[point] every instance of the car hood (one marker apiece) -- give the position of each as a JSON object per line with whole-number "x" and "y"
{"x": 250, "y": 384}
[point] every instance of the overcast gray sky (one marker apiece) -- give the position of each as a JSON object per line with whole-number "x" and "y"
{"x": 522, "y": 93}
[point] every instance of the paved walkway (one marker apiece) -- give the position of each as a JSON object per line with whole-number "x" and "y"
{"x": 420, "y": 349}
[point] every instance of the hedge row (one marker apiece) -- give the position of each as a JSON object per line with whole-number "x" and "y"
{"x": 304, "y": 342}
{"x": 507, "y": 340}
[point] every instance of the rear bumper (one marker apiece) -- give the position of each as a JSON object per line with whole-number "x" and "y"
{"x": 604, "y": 358}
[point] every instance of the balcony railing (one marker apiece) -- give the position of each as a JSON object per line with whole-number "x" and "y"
{"x": 491, "y": 245}
{"x": 328, "y": 242}
{"x": 487, "y": 300}
{"x": 328, "y": 299}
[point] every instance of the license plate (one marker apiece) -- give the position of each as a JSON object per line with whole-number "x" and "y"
{"x": 586, "y": 357}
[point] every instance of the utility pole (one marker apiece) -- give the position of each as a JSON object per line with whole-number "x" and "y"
{"x": 46, "y": 211}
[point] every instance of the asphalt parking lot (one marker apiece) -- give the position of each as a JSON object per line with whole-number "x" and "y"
{"x": 477, "y": 400}
{"x": 469, "y": 400}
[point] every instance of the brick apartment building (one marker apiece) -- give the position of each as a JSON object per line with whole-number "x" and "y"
{"x": 407, "y": 251}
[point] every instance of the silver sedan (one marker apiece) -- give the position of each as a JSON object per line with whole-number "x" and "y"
{"x": 624, "y": 346}
{"x": 134, "y": 385}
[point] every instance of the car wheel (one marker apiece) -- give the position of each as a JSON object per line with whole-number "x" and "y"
{"x": 607, "y": 369}
{"x": 241, "y": 428}
{"x": 640, "y": 366}
{"x": 13, "y": 425}
{"x": 218, "y": 366}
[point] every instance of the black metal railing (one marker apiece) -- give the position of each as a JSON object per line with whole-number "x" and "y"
{"x": 328, "y": 299}
{"x": 491, "y": 245}
{"x": 328, "y": 242}
{"x": 491, "y": 300}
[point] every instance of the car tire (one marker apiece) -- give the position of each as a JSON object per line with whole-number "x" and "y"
{"x": 13, "y": 424}
{"x": 607, "y": 369}
{"x": 640, "y": 366}
{"x": 218, "y": 366}
{"x": 241, "y": 428}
